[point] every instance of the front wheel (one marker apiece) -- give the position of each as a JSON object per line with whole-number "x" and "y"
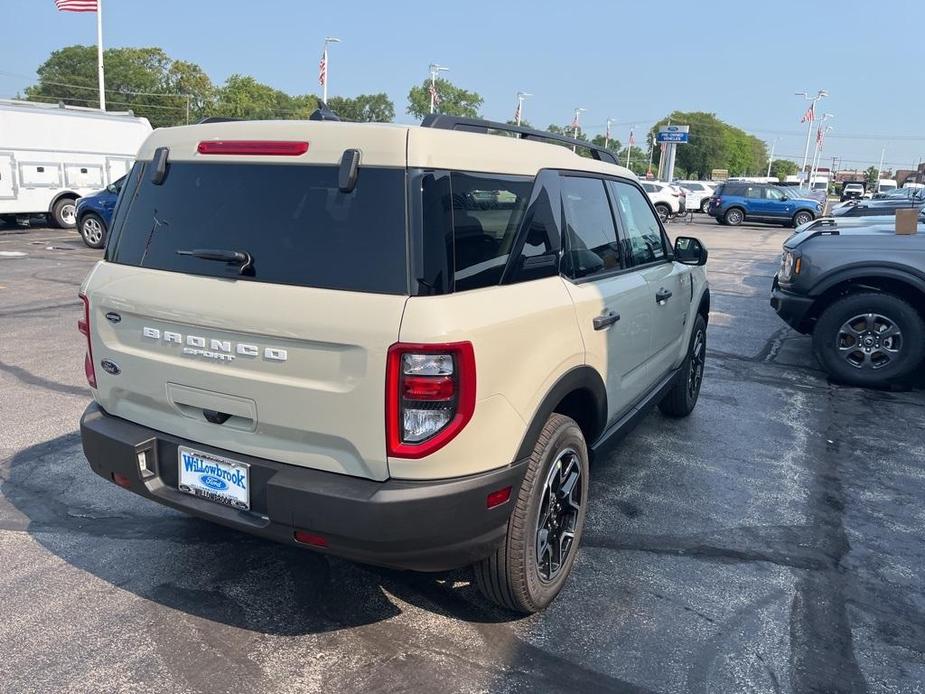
{"x": 664, "y": 212}
{"x": 801, "y": 218}
{"x": 93, "y": 230}
{"x": 870, "y": 339}
{"x": 681, "y": 399}
{"x": 531, "y": 565}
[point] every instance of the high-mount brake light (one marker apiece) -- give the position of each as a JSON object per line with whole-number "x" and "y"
{"x": 430, "y": 396}
{"x": 274, "y": 148}
{"x": 83, "y": 325}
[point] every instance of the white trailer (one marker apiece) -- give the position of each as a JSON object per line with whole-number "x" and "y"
{"x": 51, "y": 154}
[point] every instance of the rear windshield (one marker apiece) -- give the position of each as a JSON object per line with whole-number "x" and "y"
{"x": 292, "y": 221}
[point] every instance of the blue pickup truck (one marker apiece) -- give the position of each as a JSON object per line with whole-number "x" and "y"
{"x": 735, "y": 202}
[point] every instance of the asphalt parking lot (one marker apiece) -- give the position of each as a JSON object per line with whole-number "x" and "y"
{"x": 772, "y": 542}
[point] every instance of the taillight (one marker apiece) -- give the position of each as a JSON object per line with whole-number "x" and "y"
{"x": 83, "y": 325}
{"x": 430, "y": 396}
{"x": 276, "y": 148}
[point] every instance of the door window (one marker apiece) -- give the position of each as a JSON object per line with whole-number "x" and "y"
{"x": 773, "y": 194}
{"x": 753, "y": 192}
{"x": 641, "y": 234}
{"x": 590, "y": 234}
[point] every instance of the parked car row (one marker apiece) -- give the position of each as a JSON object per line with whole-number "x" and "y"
{"x": 735, "y": 202}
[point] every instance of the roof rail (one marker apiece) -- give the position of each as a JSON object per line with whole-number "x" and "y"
{"x": 443, "y": 121}
{"x": 215, "y": 119}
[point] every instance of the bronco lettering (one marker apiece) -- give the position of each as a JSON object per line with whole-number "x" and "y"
{"x": 220, "y": 350}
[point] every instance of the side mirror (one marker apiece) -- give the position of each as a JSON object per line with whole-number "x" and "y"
{"x": 111, "y": 188}
{"x": 690, "y": 251}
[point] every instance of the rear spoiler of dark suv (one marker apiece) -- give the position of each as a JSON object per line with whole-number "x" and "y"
{"x": 477, "y": 125}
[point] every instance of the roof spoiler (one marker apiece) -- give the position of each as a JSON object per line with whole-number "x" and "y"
{"x": 443, "y": 121}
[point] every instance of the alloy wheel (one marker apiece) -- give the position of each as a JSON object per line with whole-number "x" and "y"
{"x": 69, "y": 213}
{"x": 869, "y": 341}
{"x": 698, "y": 358}
{"x": 92, "y": 230}
{"x": 558, "y": 514}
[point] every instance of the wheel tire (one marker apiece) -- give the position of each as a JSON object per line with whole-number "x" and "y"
{"x": 511, "y": 576}
{"x": 841, "y": 364}
{"x": 63, "y": 214}
{"x": 681, "y": 399}
{"x": 705, "y": 205}
{"x": 664, "y": 212}
{"x": 93, "y": 230}
{"x": 734, "y": 217}
{"x": 802, "y": 218}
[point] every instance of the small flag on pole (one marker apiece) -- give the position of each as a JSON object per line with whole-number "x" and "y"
{"x": 517, "y": 112}
{"x": 810, "y": 114}
{"x": 632, "y": 138}
{"x": 433, "y": 93}
{"x": 323, "y": 68}
{"x": 76, "y": 5}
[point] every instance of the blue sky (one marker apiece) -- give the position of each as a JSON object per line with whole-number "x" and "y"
{"x": 633, "y": 62}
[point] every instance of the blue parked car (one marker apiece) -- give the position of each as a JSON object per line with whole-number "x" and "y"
{"x": 735, "y": 202}
{"x": 94, "y": 214}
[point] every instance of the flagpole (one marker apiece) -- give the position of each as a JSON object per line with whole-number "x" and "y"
{"x": 99, "y": 53}
{"x": 324, "y": 87}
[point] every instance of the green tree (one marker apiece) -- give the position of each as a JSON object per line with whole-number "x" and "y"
{"x": 244, "y": 97}
{"x": 614, "y": 144}
{"x": 872, "y": 177}
{"x": 369, "y": 108}
{"x": 639, "y": 160}
{"x": 454, "y": 100}
{"x": 714, "y": 144}
{"x": 781, "y": 168}
{"x": 69, "y": 75}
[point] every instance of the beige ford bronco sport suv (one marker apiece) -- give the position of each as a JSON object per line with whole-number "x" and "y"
{"x": 394, "y": 344}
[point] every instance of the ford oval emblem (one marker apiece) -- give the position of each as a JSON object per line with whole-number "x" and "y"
{"x": 110, "y": 367}
{"x": 213, "y": 482}
{"x": 113, "y": 317}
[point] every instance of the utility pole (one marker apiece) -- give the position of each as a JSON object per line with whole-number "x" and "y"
{"x": 434, "y": 99}
{"x": 810, "y": 117}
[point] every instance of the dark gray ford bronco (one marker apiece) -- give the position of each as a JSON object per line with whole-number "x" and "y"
{"x": 858, "y": 288}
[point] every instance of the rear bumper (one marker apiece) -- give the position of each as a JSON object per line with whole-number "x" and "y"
{"x": 792, "y": 308}
{"x": 424, "y": 526}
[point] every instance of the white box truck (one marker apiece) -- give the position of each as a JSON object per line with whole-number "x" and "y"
{"x": 52, "y": 154}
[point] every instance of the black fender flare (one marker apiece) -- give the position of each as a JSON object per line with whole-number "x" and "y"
{"x": 862, "y": 270}
{"x": 580, "y": 378}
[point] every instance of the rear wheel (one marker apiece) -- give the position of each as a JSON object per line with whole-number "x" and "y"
{"x": 93, "y": 230}
{"x": 533, "y": 562}
{"x": 734, "y": 217}
{"x": 705, "y": 205}
{"x": 664, "y": 212}
{"x": 681, "y": 399}
{"x": 64, "y": 213}
{"x": 870, "y": 339}
{"x": 801, "y": 218}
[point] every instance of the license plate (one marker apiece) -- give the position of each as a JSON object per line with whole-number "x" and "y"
{"x": 214, "y": 478}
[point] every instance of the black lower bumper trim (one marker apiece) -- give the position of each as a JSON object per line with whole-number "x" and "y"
{"x": 792, "y": 308}
{"x": 424, "y": 526}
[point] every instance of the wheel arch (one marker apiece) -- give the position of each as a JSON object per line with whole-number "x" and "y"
{"x": 886, "y": 279}
{"x": 703, "y": 308}
{"x": 60, "y": 196}
{"x": 579, "y": 393}
{"x": 735, "y": 206}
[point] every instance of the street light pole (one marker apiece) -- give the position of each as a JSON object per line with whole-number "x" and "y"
{"x": 607, "y": 134}
{"x": 880, "y": 168}
{"x": 434, "y": 69}
{"x": 327, "y": 68}
{"x": 809, "y": 127}
{"x": 520, "y": 105}
{"x": 576, "y": 124}
{"x": 771, "y": 158}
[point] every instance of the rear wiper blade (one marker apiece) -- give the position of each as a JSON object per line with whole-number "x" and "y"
{"x": 243, "y": 258}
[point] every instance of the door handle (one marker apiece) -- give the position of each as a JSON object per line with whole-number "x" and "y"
{"x": 662, "y": 295}
{"x": 605, "y": 320}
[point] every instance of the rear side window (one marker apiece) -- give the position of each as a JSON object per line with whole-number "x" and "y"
{"x": 487, "y": 213}
{"x": 292, "y": 220}
{"x": 591, "y": 237}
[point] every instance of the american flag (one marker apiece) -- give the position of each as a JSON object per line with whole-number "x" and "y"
{"x": 517, "y": 112}
{"x": 810, "y": 114}
{"x": 632, "y": 138}
{"x": 433, "y": 93}
{"x": 76, "y": 5}
{"x": 323, "y": 67}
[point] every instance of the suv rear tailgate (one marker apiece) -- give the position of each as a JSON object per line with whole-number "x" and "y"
{"x": 187, "y": 344}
